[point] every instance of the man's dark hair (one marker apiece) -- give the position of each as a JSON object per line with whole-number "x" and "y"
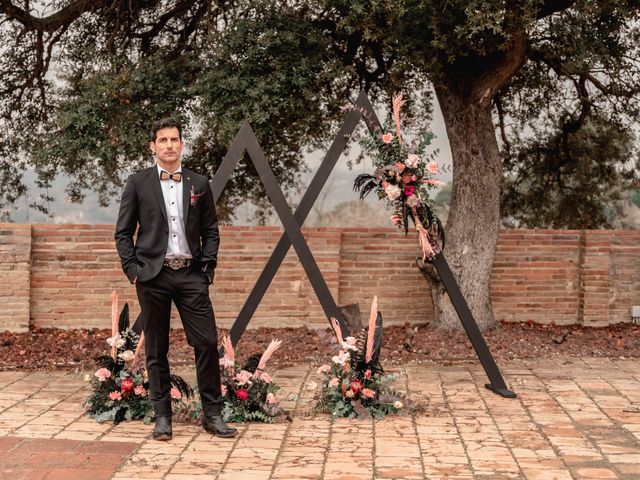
{"x": 165, "y": 123}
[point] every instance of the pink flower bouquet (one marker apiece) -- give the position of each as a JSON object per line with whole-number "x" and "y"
{"x": 403, "y": 176}
{"x": 248, "y": 392}
{"x": 119, "y": 388}
{"x": 353, "y": 383}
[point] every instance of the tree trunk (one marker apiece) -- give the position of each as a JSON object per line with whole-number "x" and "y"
{"x": 474, "y": 216}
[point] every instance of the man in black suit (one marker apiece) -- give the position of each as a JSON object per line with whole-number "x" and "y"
{"x": 173, "y": 259}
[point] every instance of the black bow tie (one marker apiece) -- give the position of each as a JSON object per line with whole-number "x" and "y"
{"x": 170, "y": 176}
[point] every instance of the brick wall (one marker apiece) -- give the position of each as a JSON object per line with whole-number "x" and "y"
{"x": 62, "y": 276}
{"x": 15, "y": 260}
{"x": 535, "y": 276}
{"x": 381, "y": 262}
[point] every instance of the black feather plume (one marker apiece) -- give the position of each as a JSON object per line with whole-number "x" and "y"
{"x": 123, "y": 322}
{"x": 364, "y": 183}
{"x": 252, "y": 363}
{"x": 105, "y": 361}
{"x": 137, "y": 325}
{"x": 182, "y": 386}
{"x": 440, "y": 232}
{"x": 120, "y": 416}
{"x": 405, "y": 217}
{"x": 377, "y": 341}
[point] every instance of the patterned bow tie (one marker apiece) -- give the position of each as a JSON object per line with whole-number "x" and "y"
{"x": 170, "y": 176}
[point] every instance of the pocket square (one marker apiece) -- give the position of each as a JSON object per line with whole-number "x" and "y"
{"x": 195, "y": 197}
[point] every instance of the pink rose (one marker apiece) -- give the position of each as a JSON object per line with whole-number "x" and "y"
{"x": 242, "y": 394}
{"x": 367, "y": 392}
{"x": 384, "y": 184}
{"x": 175, "y": 393}
{"x": 271, "y": 398}
{"x": 413, "y": 178}
{"x": 126, "y": 385}
{"x": 243, "y": 377}
{"x": 333, "y": 382}
{"x": 407, "y": 178}
{"x": 139, "y": 390}
{"x": 399, "y": 167}
{"x": 387, "y": 138}
{"x": 223, "y": 390}
{"x": 323, "y": 369}
{"x": 356, "y": 386}
{"x": 409, "y": 190}
{"x": 367, "y": 374}
{"x": 115, "y": 396}
{"x": 432, "y": 167}
{"x": 102, "y": 374}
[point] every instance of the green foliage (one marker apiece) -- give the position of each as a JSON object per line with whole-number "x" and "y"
{"x": 354, "y": 389}
{"x": 248, "y": 393}
{"x": 288, "y": 67}
{"x": 568, "y": 141}
{"x": 130, "y": 404}
{"x": 567, "y": 181}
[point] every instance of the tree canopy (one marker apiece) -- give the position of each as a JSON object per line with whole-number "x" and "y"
{"x": 82, "y": 82}
{"x": 556, "y": 81}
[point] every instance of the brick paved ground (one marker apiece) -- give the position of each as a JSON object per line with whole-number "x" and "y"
{"x": 569, "y": 421}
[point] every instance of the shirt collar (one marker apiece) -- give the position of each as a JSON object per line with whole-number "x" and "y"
{"x": 160, "y": 169}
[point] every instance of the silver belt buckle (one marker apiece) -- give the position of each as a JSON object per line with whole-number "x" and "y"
{"x": 177, "y": 263}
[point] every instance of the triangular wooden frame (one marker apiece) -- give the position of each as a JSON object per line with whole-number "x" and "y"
{"x": 245, "y": 140}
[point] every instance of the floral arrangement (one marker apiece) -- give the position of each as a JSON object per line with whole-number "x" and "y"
{"x": 249, "y": 392}
{"x": 354, "y": 385}
{"x": 119, "y": 388}
{"x": 403, "y": 176}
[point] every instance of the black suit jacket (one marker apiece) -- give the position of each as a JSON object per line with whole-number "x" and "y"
{"x": 142, "y": 207}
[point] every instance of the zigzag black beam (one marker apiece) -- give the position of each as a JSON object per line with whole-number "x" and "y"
{"x": 292, "y": 229}
{"x": 497, "y": 384}
{"x": 469, "y": 324}
{"x": 304, "y": 208}
{"x": 365, "y": 110}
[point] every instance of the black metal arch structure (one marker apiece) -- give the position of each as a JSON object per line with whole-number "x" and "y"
{"x": 245, "y": 140}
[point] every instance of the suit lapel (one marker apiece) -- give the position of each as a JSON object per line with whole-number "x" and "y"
{"x": 186, "y": 194}
{"x": 154, "y": 180}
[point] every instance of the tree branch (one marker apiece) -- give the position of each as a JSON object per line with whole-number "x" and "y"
{"x": 567, "y": 69}
{"x": 549, "y": 7}
{"x": 503, "y": 133}
{"x": 54, "y": 21}
{"x": 500, "y": 68}
{"x": 148, "y": 35}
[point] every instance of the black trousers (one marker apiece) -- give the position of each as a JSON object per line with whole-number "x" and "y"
{"x": 189, "y": 290}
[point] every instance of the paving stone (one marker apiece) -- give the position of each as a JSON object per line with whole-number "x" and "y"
{"x": 567, "y": 422}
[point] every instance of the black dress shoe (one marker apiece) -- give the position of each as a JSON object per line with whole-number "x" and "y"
{"x": 162, "y": 430}
{"x": 215, "y": 425}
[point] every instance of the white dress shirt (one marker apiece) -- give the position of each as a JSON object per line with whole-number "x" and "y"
{"x": 177, "y": 246}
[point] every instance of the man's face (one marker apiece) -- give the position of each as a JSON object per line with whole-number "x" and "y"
{"x": 167, "y": 147}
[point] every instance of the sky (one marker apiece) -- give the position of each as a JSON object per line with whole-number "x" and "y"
{"x": 338, "y": 189}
